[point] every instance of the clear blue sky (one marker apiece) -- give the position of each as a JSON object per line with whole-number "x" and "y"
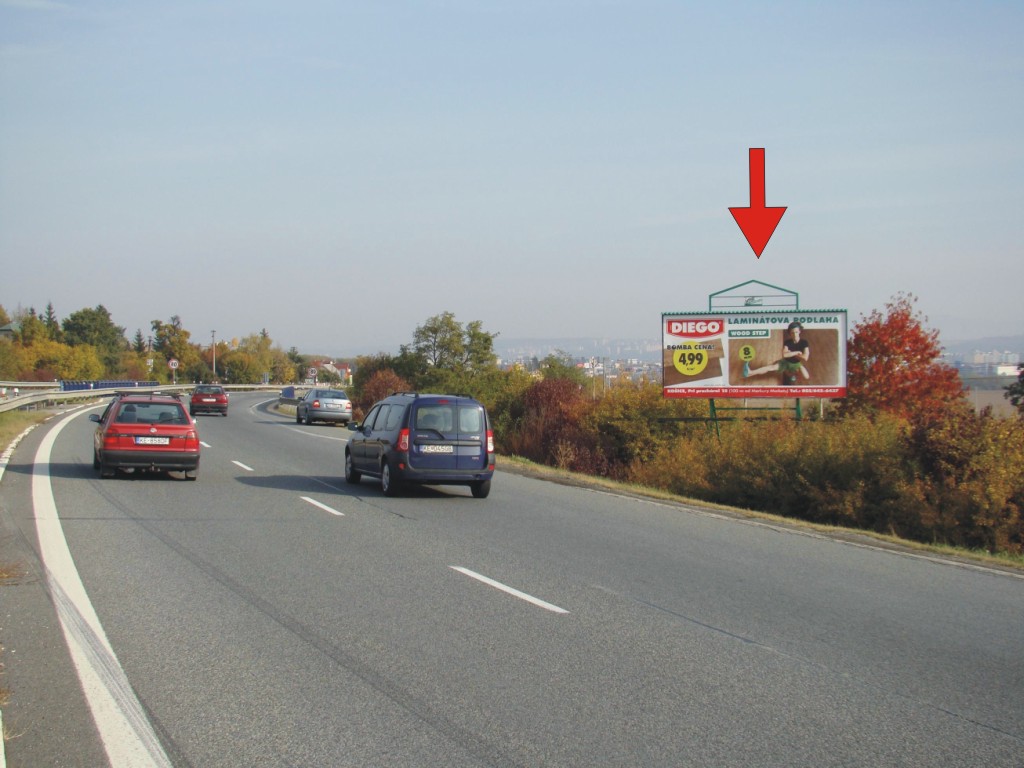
{"x": 338, "y": 172}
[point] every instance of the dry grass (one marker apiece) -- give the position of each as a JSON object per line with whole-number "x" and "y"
{"x": 13, "y": 423}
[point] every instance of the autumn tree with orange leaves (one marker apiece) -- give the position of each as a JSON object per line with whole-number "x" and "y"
{"x": 893, "y": 365}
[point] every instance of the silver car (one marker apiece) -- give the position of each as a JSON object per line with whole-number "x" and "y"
{"x": 329, "y": 405}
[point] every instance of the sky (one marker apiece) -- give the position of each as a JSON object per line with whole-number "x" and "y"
{"x": 336, "y": 173}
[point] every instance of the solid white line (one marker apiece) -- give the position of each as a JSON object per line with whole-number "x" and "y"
{"x": 324, "y": 507}
{"x": 240, "y": 464}
{"x": 205, "y": 445}
{"x": 509, "y": 590}
{"x": 127, "y": 735}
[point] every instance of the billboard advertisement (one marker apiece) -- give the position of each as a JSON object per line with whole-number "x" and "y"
{"x": 781, "y": 354}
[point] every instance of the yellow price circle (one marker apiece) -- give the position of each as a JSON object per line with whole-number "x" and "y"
{"x": 746, "y": 353}
{"x": 688, "y": 360}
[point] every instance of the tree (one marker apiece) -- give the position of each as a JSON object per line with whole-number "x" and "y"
{"x": 94, "y": 327}
{"x": 139, "y": 343}
{"x": 50, "y": 360}
{"x": 381, "y": 383}
{"x": 893, "y": 365}
{"x": 170, "y": 340}
{"x": 440, "y": 341}
{"x": 51, "y": 323}
{"x": 559, "y": 365}
{"x": 30, "y": 328}
{"x": 478, "y": 347}
{"x": 1015, "y": 392}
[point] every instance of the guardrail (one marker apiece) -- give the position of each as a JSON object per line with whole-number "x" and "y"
{"x": 54, "y": 396}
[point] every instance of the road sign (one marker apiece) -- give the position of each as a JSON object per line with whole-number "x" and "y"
{"x": 172, "y": 364}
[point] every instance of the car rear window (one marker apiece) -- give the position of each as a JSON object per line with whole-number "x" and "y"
{"x": 437, "y": 417}
{"x": 152, "y": 413}
{"x": 451, "y": 418}
{"x": 335, "y": 394}
{"x": 471, "y": 419}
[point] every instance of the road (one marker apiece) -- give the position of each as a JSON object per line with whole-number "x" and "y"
{"x": 268, "y": 614}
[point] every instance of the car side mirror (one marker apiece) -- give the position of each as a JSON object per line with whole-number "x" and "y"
{"x": 94, "y": 417}
{"x": 355, "y": 427}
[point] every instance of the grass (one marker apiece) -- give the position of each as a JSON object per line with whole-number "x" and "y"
{"x": 13, "y": 423}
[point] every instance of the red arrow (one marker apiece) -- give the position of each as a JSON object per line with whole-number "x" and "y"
{"x": 757, "y": 222}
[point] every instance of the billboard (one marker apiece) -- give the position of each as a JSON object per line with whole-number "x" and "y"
{"x": 780, "y": 354}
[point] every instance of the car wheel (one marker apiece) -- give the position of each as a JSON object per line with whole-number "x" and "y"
{"x": 95, "y": 459}
{"x": 481, "y": 489}
{"x": 191, "y": 412}
{"x": 298, "y": 416}
{"x": 192, "y": 474}
{"x": 351, "y": 473}
{"x": 389, "y": 484}
{"x": 107, "y": 470}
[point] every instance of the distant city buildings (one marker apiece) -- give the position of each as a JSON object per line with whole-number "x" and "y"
{"x": 982, "y": 363}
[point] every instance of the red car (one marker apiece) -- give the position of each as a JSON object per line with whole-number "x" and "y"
{"x": 145, "y": 432}
{"x": 208, "y": 398}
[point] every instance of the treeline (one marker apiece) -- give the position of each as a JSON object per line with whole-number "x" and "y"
{"x": 88, "y": 345}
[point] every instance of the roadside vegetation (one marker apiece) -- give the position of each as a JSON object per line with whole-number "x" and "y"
{"x": 904, "y": 455}
{"x": 13, "y": 423}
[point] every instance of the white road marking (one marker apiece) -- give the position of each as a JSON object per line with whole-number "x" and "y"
{"x": 509, "y": 590}
{"x": 324, "y": 507}
{"x": 127, "y": 735}
{"x": 307, "y": 433}
{"x": 240, "y": 464}
{"x": 204, "y": 444}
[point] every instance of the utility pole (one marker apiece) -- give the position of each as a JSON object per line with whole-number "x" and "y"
{"x": 213, "y": 346}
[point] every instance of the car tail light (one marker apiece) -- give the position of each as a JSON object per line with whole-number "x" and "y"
{"x": 490, "y": 441}
{"x": 192, "y": 440}
{"x": 403, "y": 440}
{"x": 316, "y": 403}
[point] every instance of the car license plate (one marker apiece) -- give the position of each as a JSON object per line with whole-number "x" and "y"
{"x": 152, "y": 441}
{"x": 437, "y": 449}
{"x": 333, "y": 407}
{"x": 209, "y": 399}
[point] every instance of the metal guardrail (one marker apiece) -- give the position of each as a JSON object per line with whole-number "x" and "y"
{"x": 53, "y": 396}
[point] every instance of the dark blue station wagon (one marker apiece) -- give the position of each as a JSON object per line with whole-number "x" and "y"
{"x": 423, "y": 438}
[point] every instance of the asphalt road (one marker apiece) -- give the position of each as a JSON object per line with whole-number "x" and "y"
{"x": 268, "y": 614}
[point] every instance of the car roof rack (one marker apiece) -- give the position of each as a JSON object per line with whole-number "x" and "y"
{"x": 151, "y": 395}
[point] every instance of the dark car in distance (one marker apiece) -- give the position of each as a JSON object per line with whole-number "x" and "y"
{"x": 426, "y": 439}
{"x": 208, "y": 398}
{"x": 145, "y": 432}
